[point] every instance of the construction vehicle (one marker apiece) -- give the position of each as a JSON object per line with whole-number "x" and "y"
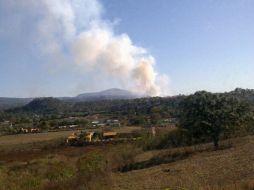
{"x": 82, "y": 138}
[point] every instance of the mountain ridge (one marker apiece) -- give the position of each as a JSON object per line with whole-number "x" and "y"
{"x": 112, "y": 93}
{"x": 108, "y": 94}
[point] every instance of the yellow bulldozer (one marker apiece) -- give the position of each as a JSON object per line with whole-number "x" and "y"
{"x": 81, "y": 138}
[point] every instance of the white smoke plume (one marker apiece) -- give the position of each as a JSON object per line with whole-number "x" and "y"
{"x": 75, "y": 30}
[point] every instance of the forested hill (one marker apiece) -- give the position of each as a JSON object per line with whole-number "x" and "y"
{"x": 133, "y": 106}
{"x": 119, "y": 106}
{"x": 43, "y": 105}
{"x": 243, "y": 94}
{"x": 110, "y": 94}
{"x": 6, "y": 103}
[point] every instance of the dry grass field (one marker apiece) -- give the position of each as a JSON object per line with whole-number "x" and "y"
{"x": 18, "y": 139}
{"x": 203, "y": 169}
{"x": 47, "y": 164}
{"x": 32, "y": 137}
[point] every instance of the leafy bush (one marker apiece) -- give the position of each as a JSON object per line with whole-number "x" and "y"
{"x": 209, "y": 115}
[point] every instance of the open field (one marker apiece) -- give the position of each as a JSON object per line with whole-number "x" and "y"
{"x": 47, "y": 164}
{"x": 32, "y": 137}
{"x": 229, "y": 168}
{"x": 38, "y": 137}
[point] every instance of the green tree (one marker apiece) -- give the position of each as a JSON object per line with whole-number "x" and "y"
{"x": 155, "y": 115}
{"x": 43, "y": 125}
{"x": 209, "y": 115}
{"x": 137, "y": 120}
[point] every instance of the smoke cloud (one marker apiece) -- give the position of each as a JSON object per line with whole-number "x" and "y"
{"x": 75, "y": 30}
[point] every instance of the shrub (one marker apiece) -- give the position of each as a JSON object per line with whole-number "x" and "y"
{"x": 59, "y": 171}
{"x": 90, "y": 168}
{"x": 174, "y": 138}
{"x": 31, "y": 182}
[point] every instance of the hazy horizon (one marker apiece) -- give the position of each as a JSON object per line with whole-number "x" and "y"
{"x": 63, "y": 48}
{"x": 98, "y": 91}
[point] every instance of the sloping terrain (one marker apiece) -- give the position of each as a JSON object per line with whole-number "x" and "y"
{"x": 231, "y": 168}
{"x": 6, "y": 103}
{"x": 44, "y": 105}
{"x": 52, "y": 165}
{"x": 110, "y": 94}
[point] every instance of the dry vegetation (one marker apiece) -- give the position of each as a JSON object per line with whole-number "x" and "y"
{"x": 232, "y": 167}
{"x": 52, "y": 165}
{"x": 32, "y": 138}
{"x": 42, "y": 137}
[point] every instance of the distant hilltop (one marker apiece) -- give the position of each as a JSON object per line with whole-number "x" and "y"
{"x": 109, "y": 94}
{"x": 113, "y": 93}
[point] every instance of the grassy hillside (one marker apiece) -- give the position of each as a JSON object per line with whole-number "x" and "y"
{"x": 52, "y": 165}
{"x": 231, "y": 168}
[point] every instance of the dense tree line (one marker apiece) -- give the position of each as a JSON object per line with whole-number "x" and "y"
{"x": 204, "y": 115}
{"x": 208, "y": 115}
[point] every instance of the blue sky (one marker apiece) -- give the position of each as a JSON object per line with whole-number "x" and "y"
{"x": 198, "y": 45}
